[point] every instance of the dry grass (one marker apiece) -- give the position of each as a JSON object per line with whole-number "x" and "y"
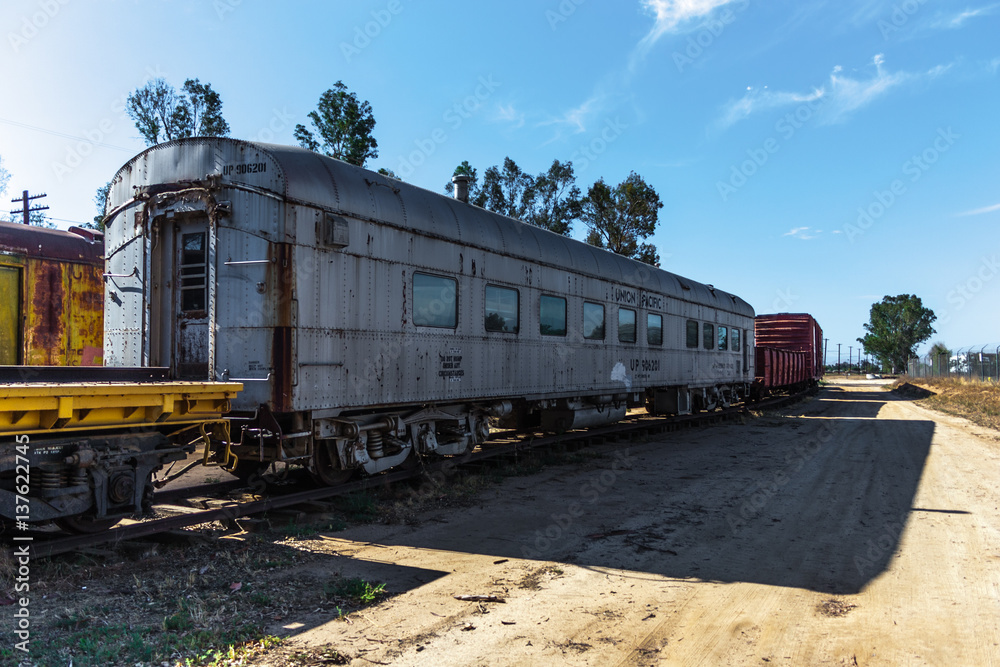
{"x": 216, "y": 605}
{"x": 979, "y": 402}
{"x": 835, "y": 608}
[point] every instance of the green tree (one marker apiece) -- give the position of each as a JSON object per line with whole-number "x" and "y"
{"x": 940, "y": 357}
{"x": 939, "y": 348}
{"x": 101, "y": 202}
{"x": 205, "y": 110}
{"x": 388, "y": 172}
{"x": 4, "y": 178}
{"x": 508, "y": 190}
{"x": 39, "y": 219}
{"x": 620, "y": 218}
{"x": 550, "y": 200}
{"x": 161, "y": 113}
{"x": 344, "y": 126}
{"x": 556, "y": 200}
{"x": 475, "y": 192}
{"x": 896, "y": 326}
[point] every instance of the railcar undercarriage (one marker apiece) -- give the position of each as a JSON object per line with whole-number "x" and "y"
{"x": 335, "y": 448}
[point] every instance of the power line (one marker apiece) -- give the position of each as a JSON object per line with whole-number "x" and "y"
{"x": 73, "y": 222}
{"x": 56, "y": 133}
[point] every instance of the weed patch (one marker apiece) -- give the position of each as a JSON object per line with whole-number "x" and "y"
{"x": 979, "y": 402}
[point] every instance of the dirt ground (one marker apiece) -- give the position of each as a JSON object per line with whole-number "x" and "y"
{"x": 855, "y": 528}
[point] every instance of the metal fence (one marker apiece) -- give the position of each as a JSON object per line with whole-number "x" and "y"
{"x": 976, "y": 362}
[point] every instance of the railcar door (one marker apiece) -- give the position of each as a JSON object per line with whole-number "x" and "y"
{"x": 192, "y": 300}
{"x": 748, "y": 354}
{"x": 10, "y": 315}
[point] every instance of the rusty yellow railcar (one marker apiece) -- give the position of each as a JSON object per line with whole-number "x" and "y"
{"x": 51, "y": 296}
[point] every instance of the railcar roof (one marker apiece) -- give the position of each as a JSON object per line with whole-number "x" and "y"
{"x": 31, "y": 241}
{"x": 352, "y": 191}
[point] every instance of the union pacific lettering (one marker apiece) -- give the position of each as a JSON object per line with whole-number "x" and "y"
{"x": 630, "y": 297}
{"x": 626, "y": 296}
{"x": 651, "y": 301}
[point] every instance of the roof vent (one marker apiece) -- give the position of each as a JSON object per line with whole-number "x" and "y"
{"x": 461, "y": 182}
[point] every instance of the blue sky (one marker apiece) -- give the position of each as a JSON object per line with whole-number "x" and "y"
{"x": 811, "y": 156}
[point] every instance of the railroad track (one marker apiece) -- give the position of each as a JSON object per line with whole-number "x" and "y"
{"x": 501, "y": 444}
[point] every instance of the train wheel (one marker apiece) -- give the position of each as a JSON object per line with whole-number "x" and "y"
{"x": 251, "y": 473}
{"x": 84, "y": 525}
{"x": 325, "y": 467}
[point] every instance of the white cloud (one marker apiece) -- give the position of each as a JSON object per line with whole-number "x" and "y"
{"x": 673, "y": 16}
{"x": 575, "y": 120}
{"x": 578, "y": 116}
{"x": 957, "y": 20}
{"x": 834, "y": 101}
{"x": 761, "y": 99}
{"x": 508, "y": 114}
{"x": 980, "y": 211}
{"x": 803, "y": 233}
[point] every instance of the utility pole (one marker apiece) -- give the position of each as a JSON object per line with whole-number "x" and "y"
{"x": 838, "y": 357}
{"x": 25, "y": 210}
{"x": 850, "y": 358}
{"x": 826, "y": 346}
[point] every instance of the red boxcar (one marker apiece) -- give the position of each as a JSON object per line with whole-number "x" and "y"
{"x": 789, "y": 349}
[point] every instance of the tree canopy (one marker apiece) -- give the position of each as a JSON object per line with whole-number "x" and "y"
{"x": 556, "y": 200}
{"x": 620, "y": 217}
{"x": 101, "y": 202}
{"x": 938, "y": 349}
{"x": 344, "y": 125}
{"x": 550, "y": 200}
{"x": 162, "y": 114}
{"x": 475, "y": 194}
{"x": 896, "y": 326}
{"x": 4, "y": 178}
{"x": 508, "y": 190}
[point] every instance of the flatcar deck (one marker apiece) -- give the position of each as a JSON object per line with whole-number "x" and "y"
{"x": 43, "y": 403}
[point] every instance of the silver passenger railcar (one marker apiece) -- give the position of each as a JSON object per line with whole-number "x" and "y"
{"x": 370, "y": 319}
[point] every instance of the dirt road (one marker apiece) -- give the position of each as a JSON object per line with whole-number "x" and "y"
{"x": 854, "y": 529}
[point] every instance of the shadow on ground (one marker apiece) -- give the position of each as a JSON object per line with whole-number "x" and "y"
{"x": 816, "y": 499}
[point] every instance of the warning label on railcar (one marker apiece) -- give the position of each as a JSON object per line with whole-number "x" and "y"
{"x": 451, "y": 366}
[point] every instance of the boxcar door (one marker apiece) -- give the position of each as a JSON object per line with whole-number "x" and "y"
{"x": 10, "y": 315}
{"x": 191, "y": 301}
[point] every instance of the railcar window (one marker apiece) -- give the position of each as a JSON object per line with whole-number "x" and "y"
{"x": 626, "y": 325}
{"x": 736, "y": 340}
{"x": 194, "y": 265}
{"x": 723, "y": 338}
{"x": 692, "y": 333}
{"x": 502, "y": 309}
{"x": 654, "y": 329}
{"x": 593, "y": 321}
{"x": 435, "y": 301}
{"x": 708, "y": 337}
{"x": 552, "y": 316}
